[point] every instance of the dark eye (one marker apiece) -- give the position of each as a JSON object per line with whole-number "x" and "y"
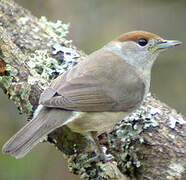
{"x": 142, "y": 42}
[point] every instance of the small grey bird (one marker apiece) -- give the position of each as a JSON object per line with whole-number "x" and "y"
{"x": 97, "y": 93}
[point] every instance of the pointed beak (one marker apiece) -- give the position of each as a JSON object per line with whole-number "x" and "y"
{"x": 165, "y": 44}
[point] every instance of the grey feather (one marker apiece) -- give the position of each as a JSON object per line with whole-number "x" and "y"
{"x": 90, "y": 87}
{"x": 45, "y": 122}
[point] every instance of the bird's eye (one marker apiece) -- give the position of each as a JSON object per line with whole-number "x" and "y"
{"x": 142, "y": 42}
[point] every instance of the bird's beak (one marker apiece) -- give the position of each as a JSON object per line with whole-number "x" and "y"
{"x": 165, "y": 44}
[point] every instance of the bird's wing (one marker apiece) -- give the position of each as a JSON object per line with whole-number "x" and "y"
{"x": 81, "y": 94}
{"x": 88, "y": 88}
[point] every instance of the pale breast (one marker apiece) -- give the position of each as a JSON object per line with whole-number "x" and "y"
{"x": 85, "y": 122}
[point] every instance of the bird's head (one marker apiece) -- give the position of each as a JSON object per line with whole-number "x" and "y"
{"x": 140, "y": 48}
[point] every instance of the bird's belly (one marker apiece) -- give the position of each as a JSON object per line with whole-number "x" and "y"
{"x": 84, "y": 122}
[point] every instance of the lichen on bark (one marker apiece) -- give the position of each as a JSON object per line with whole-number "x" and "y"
{"x": 150, "y": 143}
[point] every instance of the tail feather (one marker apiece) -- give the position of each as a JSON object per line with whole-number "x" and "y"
{"x": 45, "y": 122}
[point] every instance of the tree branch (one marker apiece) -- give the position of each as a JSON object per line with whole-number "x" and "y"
{"x": 149, "y": 144}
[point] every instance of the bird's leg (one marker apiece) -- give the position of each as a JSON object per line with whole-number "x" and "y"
{"x": 100, "y": 150}
{"x": 96, "y": 141}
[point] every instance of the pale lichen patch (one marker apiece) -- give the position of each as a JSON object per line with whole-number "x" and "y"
{"x": 22, "y": 20}
{"x": 50, "y": 67}
{"x": 46, "y": 66}
{"x": 175, "y": 170}
{"x": 16, "y": 90}
{"x": 59, "y": 29}
{"x": 129, "y": 131}
{"x": 67, "y": 55}
{"x": 172, "y": 121}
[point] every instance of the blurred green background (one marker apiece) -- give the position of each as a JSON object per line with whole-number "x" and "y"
{"x": 93, "y": 23}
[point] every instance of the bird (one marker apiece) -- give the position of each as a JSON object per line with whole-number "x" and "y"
{"x": 102, "y": 89}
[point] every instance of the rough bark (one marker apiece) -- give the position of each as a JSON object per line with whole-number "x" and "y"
{"x": 150, "y": 144}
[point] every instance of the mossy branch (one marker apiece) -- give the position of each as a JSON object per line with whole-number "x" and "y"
{"x": 150, "y": 144}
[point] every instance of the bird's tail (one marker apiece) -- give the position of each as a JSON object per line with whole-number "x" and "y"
{"x": 45, "y": 122}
